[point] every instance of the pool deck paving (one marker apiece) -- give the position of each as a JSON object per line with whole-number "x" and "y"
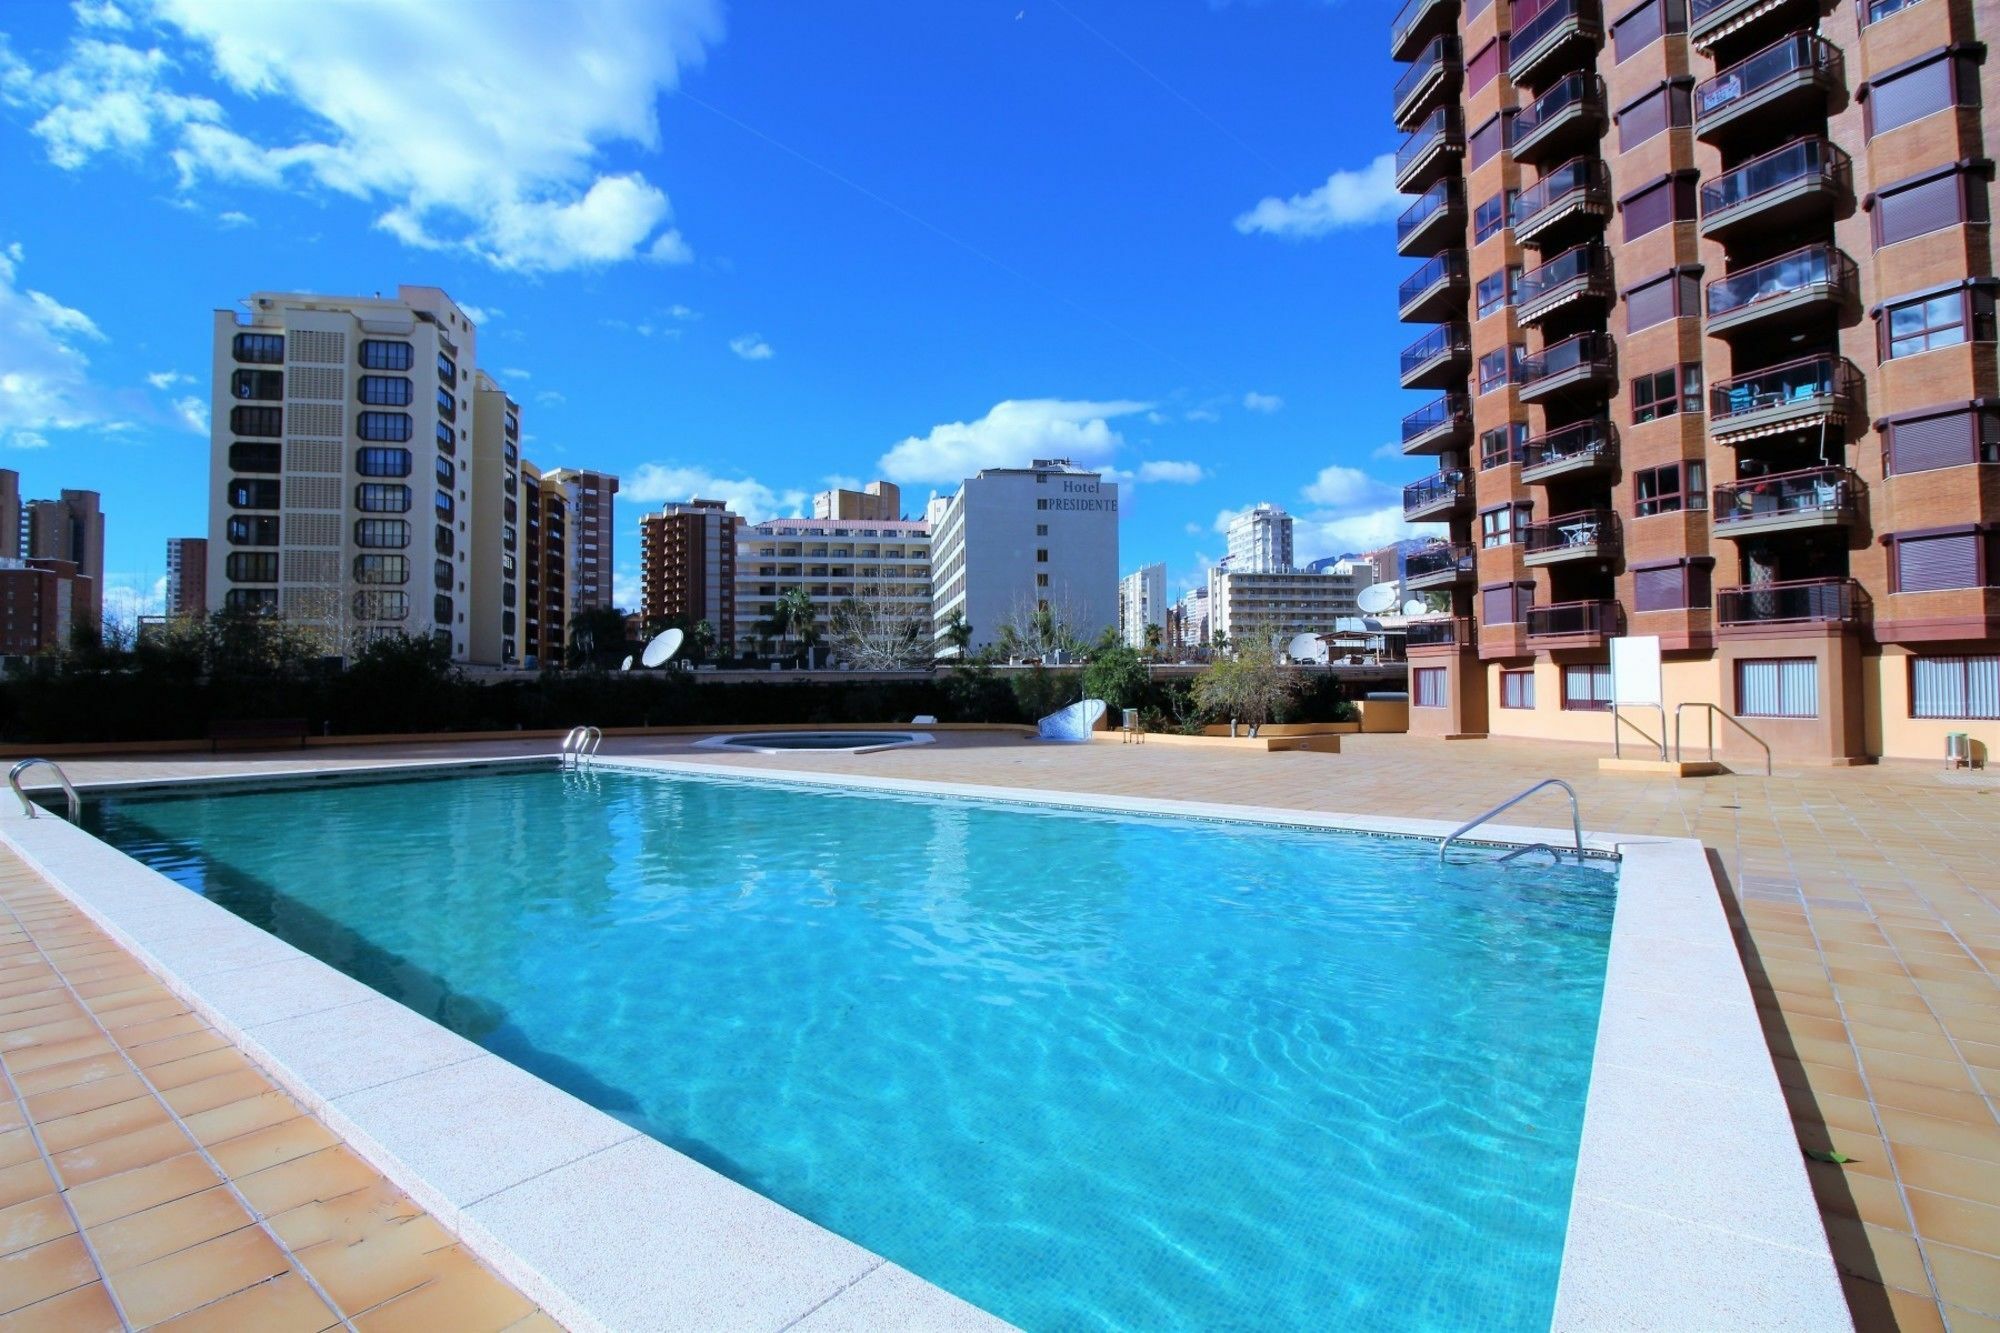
{"x": 1865, "y": 904}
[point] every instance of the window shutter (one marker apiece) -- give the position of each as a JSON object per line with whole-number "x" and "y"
{"x": 1649, "y": 305}
{"x": 1798, "y": 686}
{"x": 1642, "y": 120}
{"x": 1487, "y": 140}
{"x": 1982, "y": 687}
{"x": 1909, "y": 96}
{"x": 1927, "y": 206}
{"x": 1637, "y": 30}
{"x": 1927, "y": 564}
{"x": 1688, "y": 297}
{"x": 1661, "y": 589}
{"x": 1945, "y": 440}
{"x": 1479, "y": 71}
{"x": 1649, "y": 210}
{"x": 1496, "y": 606}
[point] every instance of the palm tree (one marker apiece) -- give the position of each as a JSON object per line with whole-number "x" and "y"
{"x": 1155, "y": 636}
{"x": 957, "y": 632}
{"x": 704, "y": 638}
{"x": 795, "y": 614}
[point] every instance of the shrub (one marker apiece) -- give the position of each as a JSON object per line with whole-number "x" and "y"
{"x": 1117, "y": 676}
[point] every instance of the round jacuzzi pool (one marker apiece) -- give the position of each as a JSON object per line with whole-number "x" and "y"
{"x": 837, "y": 742}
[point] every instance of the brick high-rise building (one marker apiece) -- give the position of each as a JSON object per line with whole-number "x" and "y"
{"x": 10, "y": 514}
{"x": 687, "y": 567}
{"x": 69, "y": 529}
{"x": 589, "y": 495}
{"x": 187, "y": 576}
{"x": 1710, "y": 309}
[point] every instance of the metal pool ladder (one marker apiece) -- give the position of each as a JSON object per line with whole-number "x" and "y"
{"x": 69, "y": 789}
{"x": 579, "y": 748}
{"x": 1575, "y": 817}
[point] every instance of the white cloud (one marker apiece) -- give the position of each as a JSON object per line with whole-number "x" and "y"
{"x": 751, "y": 347}
{"x": 233, "y": 218}
{"x": 1388, "y": 450}
{"x": 105, "y": 15}
{"x": 1262, "y": 402}
{"x": 1013, "y": 434}
{"x": 511, "y": 374}
{"x": 469, "y": 133}
{"x": 167, "y": 379}
{"x": 193, "y": 413}
{"x": 1225, "y": 517}
{"x": 479, "y": 315}
{"x": 840, "y": 481}
{"x": 658, "y": 483}
{"x": 626, "y": 594}
{"x": 128, "y": 596}
{"x": 1203, "y": 414}
{"x": 550, "y": 397}
{"x": 1318, "y": 536}
{"x": 1339, "y": 487}
{"x": 44, "y": 374}
{"x": 1172, "y": 472}
{"x": 1348, "y": 199}
{"x": 682, "y": 312}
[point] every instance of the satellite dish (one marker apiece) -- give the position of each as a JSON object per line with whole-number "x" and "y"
{"x": 626, "y": 665}
{"x": 1376, "y": 598}
{"x": 1416, "y": 606}
{"x": 1305, "y": 648}
{"x": 662, "y": 647}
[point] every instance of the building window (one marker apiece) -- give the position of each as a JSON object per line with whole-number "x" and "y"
{"x": 381, "y": 355}
{"x": 1506, "y": 603}
{"x": 260, "y": 349}
{"x": 1931, "y": 202}
{"x": 1041, "y": 580}
{"x": 447, "y": 443}
{"x": 1502, "y": 445}
{"x": 1955, "y": 687}
{"x": 447, "y": 405}
{"x": 1938, "y": 561}
{"x": 1498, "y": 367}
{"x": 1587, "y": 687}
{"x": 252, "y": 531}
{"x": 1778, "y": 687}
{"x": 1427, "y": 687}
{"x": 445, "y": 471}
{"x": 1674, "y": 585}
{"x": 1950, "y": 437}
{"x": 1665, "y": 392}
{"x": 1502, "y": 526}
{"x": 1669, "y": 199}
{"x": 1908, "y": 326}
{"x": 251, "y": 567}
{"x": 385, "y": 569}
{"x": 447, "y": 369}
{"x": 246, "y": 494}
{"x": 266, "y": 385}
{"x": 441, "y": 609}
{"x": 251, "y": 601}
{"x": 1671, "y": 105}
{"x": 265, "y": 421}
{"x": 1517, "y": 689}
{"x": 1497, "y": 290}
{"x": 1489, "y": 139}
{"x": 1491, "y": 216}
{"x": 1041, "y": 504}
{"x": 381, "y": 497}
{"x": 444, "y": 505}
{"x": 388, "y": 533}
{"x": 382, "y": 462}
{"x": 1943, "y": 79}
{"x": 1042, "y": 556}
{"x": 1670, "y": 489}
{"x": 386, "y": 390}
{"x": 383, "y": 426}
{"x": 1638, "y": 28}
{"x": 372, "y": 605}
{"x": 1485, "y": 64}
{"x": 255, "y": 458}
{"x": 1657, "y": 300}
{"x": 1041, "y": 529}
{"x": 443, "y": 542}
{"x": 441, "y": 575}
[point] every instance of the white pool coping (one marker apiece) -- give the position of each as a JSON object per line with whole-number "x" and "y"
{"x": 1691, "y": 1207}
{"x": 733, "y": 742}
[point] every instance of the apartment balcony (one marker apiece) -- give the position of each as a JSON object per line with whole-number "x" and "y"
{"x": 1804, "y": 179}
{"x": 1583, "y": 361}
{"x": 1818, "y": 497}
{"x": 1454, "y": 632}
{"x": 1439, "y": 359}
{"x": 1416, "y": 22}
{"x": 1799, "y": 602}
{"x": 1590, "y": 534}
{"x": 1766, "y": 298}
{"x": 1436, "y": 496}
{"x": 1812, "y": 391}
{"x": 1439, "y": 566}
{"x": 1578, "y": 624}
{"x": 1787, "y": 80}
{"x": 1437, "y": 143}
{"x": 1579, "y": 190}
{"x": 1563, "y": 120}
{"x": 1442, "y": 423}
{"x": 1709, "y": 21}
{"x": 1434, "y": 78}
{"x": 1434, "y": 292}
{"x": 1580, "y": 273}
{"x": 1588, "y": 446}
{"x": 1548, "y": 32}
{"x": 1433, "y": 223}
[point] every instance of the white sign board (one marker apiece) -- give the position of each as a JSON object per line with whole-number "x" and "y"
{"x": 1635, "y": 671}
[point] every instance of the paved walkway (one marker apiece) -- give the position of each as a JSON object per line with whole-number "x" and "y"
{"x": 1866, "y": 903}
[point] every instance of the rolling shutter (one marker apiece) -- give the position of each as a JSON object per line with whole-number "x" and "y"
{"x": 1928, "y": 564}
{"x": 1649, "y": 210}
{"x": 1643, "y": 119}
{"x": 1662, "y": 589}
{"x": 1479, "y": 71}
{"x": 1927, "y": 206}
{"x": 1651, "y": 304}
{"x": 1910, "y": 95}
{"x": 1635, "y": 31}
{"x": 1945, "y": 440}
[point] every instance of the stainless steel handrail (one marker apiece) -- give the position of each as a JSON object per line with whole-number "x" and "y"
{"x": 69, "y": 789}
{"x": 1715, "y": 710}
{"x": 580, "y": 746}
{"x": 1575, "y": 815}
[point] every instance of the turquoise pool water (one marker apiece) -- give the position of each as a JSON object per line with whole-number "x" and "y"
{"x": 1086, "y": 1071}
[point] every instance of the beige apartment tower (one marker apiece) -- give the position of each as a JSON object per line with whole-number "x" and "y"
{"x": 1707, "y": 294}
{"x": 589, "y": 496}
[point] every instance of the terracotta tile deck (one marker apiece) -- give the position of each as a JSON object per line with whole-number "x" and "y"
{"x": 151, "y": 1176}
{"x": 1866, "y": 903}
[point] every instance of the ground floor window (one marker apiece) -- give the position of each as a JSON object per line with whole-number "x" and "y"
{"x": 1427, "y": 687}
{"x": 1517, "y": 689}
{"x": 1587, "y": 687}
{"x": 1955, "y": 687}
{"x": 1778, "y": 687}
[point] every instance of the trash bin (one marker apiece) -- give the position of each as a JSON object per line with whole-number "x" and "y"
{"x": 1957, "y": 749}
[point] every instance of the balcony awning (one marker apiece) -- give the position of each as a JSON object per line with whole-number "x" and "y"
{"x": 1833, "y": 416}
{"x": 1540, "y": 308}
{"x": 1743, "y": 20}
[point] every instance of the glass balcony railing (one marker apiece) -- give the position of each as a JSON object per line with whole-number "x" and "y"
{"x": 1746, "y": 78}
{"x": 1447, "y": 409}
{"x": 1584, "y": 352}
{"x": 1441, "y": 55}
{"x": 1568, "y": 91}
{"x": 1801, "y": 270}
{"x": 1812, "y": 382}
{"x": 1527, "y": 35}
{"x": 1796, "y": 601}
{"x": 1812, "y": 493}
{"x": 1438, "y": 633}
{"x": 1800, "y": 161}
{"x": 1589, "y": 532}
{"x": 1448, "y": 267}
{"x": 1585, "y": 442}
{"x": 1440, "y": 126}
{"x": 1443, "y": 340}
{"x": 1442, "y": 559}
{"x": 1443, "y": 197}
{"x": 1577, "y": 264}
{"x": 1578, "y": 176}
{"x": 1594, "y": 617}
{"x": 1445, "y": 488}
{"x": 1407, "y": 18}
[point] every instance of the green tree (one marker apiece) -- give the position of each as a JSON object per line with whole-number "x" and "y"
{"x": 795, "y": 618}
{"x": 1247, "y": 687}
{"x": 703, "y": 638}
{"x": 957, "y": 632}
{"x": 596, "y": 638}
{"x": 1155, "y": 637}
{"x": 1116, "y": 676}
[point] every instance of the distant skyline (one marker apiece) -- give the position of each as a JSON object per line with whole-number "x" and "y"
{"x": 745, "y": 252}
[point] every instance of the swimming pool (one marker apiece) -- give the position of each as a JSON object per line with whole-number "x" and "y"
{"x": 1084, "y": 1070}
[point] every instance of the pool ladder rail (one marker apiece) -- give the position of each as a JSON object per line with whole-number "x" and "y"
{"x": 579, "y": 748}
{"x": 1575, "y": 818}
{"x": 69, "y": 788}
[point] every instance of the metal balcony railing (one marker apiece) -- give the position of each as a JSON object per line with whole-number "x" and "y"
{"x": 1440, "y": 559}
{"x": 1440, "y": 126}
{"x": 1570, "y": 90}
{"x": 1448, "y": 267}
{"x": 1590, "y": 530}
{"x": 1799, "y": 53}
{"x": 1444, "y": 340}
{"x": 1585, "y": 351}
{"x": 1797, "y": 601}
{"x": 1586, "y": 441}
{"x": 1407, "y": 18}
{"x": 1589, "y": 617}
{"x": 1810, "y": 492}
{"x": 1442, "y": 197}
{"x": 1579, "y": 264}
{"x": 1802, "y": 161}
{"x": 1441, "y": 55}
{"x": 1530, "y": 34}
{"x": 1815, "y": 266}
{"x": 1448, "y": 486}
{"x": 1444, "y": 410}
{"x": 1810, "y": 383}
{"x": 1438, "y": 633}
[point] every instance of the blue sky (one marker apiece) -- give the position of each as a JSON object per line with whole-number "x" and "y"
{"x": 734, "y": 249}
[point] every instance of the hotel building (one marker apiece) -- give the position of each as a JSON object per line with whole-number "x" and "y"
{"x": 1015, "y": 539}
{"x": 187, "y": 576}
{"x": 882, "y": 563}
{"x": 1273, "y": 605}
{"x": 1260, "y": 540}
{"x": 1708, "y": 350}
{"x": 1142, "y": 602}
{"x": 687, "y": 567}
